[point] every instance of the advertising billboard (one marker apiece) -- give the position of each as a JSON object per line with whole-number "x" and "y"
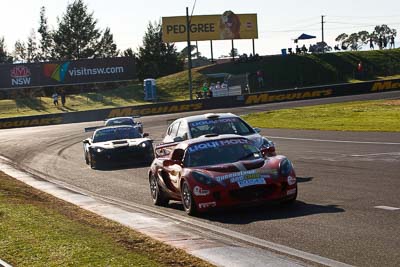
{"x": 211, "y": 27}
{"x": 67, "y": 72}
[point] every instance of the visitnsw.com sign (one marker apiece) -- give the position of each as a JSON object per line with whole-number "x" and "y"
{"x": 66, "y": 72}
{"x": 211, "y": 27}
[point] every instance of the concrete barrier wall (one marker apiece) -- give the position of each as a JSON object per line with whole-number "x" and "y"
{"x": 205, "y": 104}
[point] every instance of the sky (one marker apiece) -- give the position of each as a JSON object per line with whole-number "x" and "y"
{"x": 279, "y": 23}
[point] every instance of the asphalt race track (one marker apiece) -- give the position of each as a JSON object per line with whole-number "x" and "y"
{"x": 344, "y": 180}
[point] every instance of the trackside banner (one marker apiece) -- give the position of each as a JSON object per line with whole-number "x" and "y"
{"x": 210, "y": 27}
{"x": 205, "y": 104}
{"x": 66, "y": 72}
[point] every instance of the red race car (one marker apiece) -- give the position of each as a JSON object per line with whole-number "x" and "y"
{"x": 215, "y": 171}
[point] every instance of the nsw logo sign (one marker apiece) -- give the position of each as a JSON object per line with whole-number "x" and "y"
{"x": 20, "y": 75}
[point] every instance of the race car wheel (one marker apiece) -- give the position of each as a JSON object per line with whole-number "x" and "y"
{"x": 150, "y": 156}
{"x": 92, "y": 162}
{"x": 86, "y": 159}
{"x": 187, "y": 199}
{"x": 157, "y": 194}
{"x": 291, "y": 201}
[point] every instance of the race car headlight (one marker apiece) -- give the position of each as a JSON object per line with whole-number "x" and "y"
{"x": 98, "y": 149}
{"x": 203, "y": 179}
{"x": 143, "y": 144}
{"x": 285, "y": 167}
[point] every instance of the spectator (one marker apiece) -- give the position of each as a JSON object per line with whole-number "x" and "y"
{"x": 311, "y": 48}
{"x": 260, "y": 78}
{"x": 371, "y": 43}
{"x": 360, "y": 70}
{"x": 304, "y": 49}
{"x": 212, "y": 86}
{"x": 204, "y": 89}
{"x": 55, "y": 99}
{"x": 62, "y": 94}
{"x": 385, "y": 42}
{"x": 380, "y": 42}
{"x": 211, "y": 90}
{"x": 297, "y": 49}
{"x": 218, "y": 86}
{"x": 392, "y": 41}
{"x": 199, "y": 95}
{"x": 224, "y": 85}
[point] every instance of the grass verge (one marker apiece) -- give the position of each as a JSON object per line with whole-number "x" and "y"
{"x": 37, "y": 229}
{"x": 377, "y": 115}
{"x": 27, "y": 106}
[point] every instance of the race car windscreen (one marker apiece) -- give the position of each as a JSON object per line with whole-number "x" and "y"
{"x": 119, "y": 133}
{"x": 124, "y": 121}
{"x": 220, "y": 152}
{"x": 219, "y": 126}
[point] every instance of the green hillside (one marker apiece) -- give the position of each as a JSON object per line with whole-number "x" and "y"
{"x": 280, "y": 72}
{"x": 291, "y": 71}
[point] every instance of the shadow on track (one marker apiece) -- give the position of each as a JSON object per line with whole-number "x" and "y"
{"x": 136, "y": 165}
{"x": 266, "y": 212}
{"x": 304, "y": 179}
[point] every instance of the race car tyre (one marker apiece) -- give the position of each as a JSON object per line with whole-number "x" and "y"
{"x": 92, "y": 163}
{"x": 291, "y": 201}
{"x": 157, "y": 194}
{"x": 150, "y": 156}
{"x": 187, "y": 199}
{"x": 86, "y": 159}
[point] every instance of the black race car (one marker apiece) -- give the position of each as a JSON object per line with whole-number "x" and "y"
{"x": 117, "y": 144}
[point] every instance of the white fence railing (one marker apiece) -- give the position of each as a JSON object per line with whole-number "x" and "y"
{"x": 228, "y": 91}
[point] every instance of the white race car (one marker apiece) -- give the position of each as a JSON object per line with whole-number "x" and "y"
{"x": 216, "y": 123}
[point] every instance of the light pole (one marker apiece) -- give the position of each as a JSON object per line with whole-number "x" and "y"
{"x": 189, "y": 53}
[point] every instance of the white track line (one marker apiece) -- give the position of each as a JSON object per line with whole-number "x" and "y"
{"x": 386, "y": 208}
{"x": 4, "y": 264}
{"x": 377, "y": 154}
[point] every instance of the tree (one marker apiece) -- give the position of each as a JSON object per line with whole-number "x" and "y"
{"x": 156, "y": 58}
{"x": 384, "y": 30}
{"x": 32, "y": 53}
{"x": 4, "y": 56}
{"x": 77, "y": 35}
{"x": 20, "y": 52}
{"x": 106, "y": 46}
{"x": 234, "y": 52}
{"x": 356, "y": 40}
{"x": 46, "y": 42}
{"x": 381, "y": 33}
{"x": 129, "y": 53}
{"x": 184, "y": 52}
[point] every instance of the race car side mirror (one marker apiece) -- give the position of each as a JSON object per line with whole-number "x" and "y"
{"x": 257, "y": 130}
{"x": 178, "y": 139}
{"x": 170, "y": 162}
{"x": 85, "y": 141}
{"x": 145, "y": 134}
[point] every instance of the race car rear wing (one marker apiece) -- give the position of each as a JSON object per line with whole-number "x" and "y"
{"x": 133, "y": 117}
{"x": 92, "y": 129}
